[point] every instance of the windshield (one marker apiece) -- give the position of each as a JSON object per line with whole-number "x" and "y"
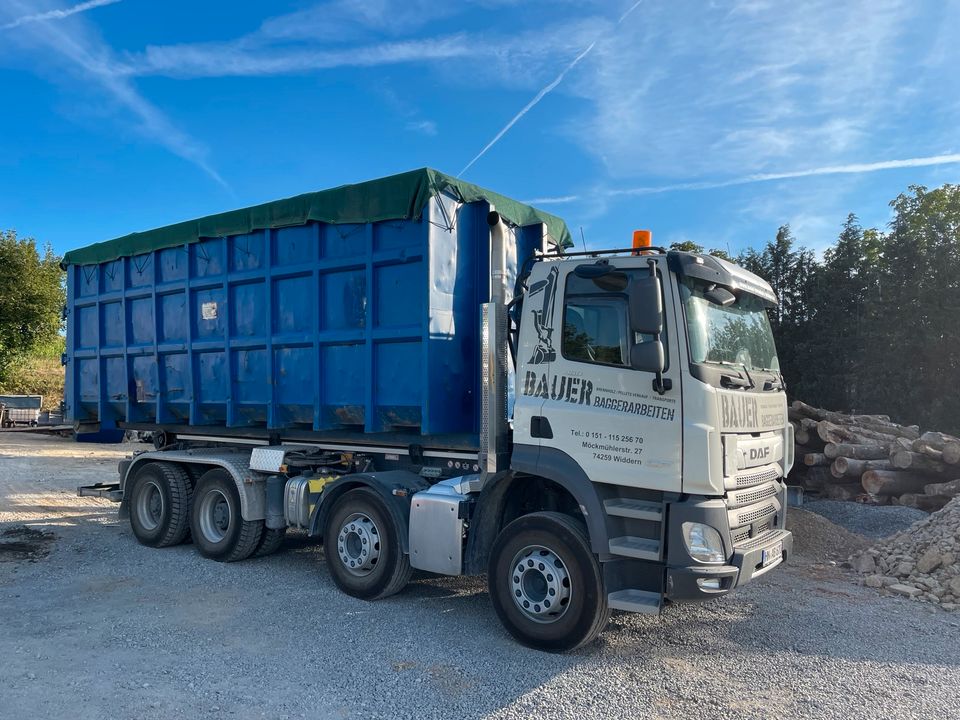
{"x": 737, "y": 335}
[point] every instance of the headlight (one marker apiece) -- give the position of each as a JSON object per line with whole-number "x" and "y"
{"x": 703, "y": 543}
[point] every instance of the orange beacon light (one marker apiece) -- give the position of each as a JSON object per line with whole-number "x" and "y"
{"x": 642, "y": 239}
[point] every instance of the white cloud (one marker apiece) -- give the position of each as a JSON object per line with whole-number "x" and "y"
{"x": 425, "y": 127}
{"x": 90, "y": 59}
{"x": 241, "y": 58}
{"x": 848, "y": 169}
{"x": 690, "y": 89}
{"x": 57, "y": 14}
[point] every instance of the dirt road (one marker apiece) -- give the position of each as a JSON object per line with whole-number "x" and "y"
{"x": 93, "y": 625}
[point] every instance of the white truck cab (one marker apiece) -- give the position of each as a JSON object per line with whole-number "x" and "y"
{"x": 652, "y": 377}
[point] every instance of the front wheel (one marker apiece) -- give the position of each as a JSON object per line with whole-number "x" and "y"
{"x": 546, "y": 584}
{"x": 363, "y": 547}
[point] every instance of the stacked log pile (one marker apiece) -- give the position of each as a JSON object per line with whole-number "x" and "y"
{"x": 871, "y": 459}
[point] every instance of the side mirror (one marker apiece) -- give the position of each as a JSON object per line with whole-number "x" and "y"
{"x": 646, "y": 305}
{"x": 648, "y": 356}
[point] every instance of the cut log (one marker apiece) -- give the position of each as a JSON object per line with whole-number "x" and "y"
{"x": 815, "y": 460}
{"x": 947, "y": 445}
{"x": 892, "y": 482}
{"x": 850, "y": 434}
{"x": 948, "y": 489}
{"x": 843, "y": 491}
{"x": 922, "y": 446}
{"x": 951, "y": 453}
{"x": 848, "y": 467}
{"x": 928, "y": 503}
{"x": 856, "y": 452}
{"x": 801, "y": 408}
{"x": 904, "y": 459}
{"x": 817, "y": 478}
{"x": 801, "y": 436}
{"x": 938, "y": 439}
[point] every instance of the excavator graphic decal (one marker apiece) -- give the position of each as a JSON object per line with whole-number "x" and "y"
{"x": 543, "y": 318}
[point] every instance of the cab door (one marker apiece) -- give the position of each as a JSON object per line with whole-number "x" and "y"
{"x": 600, "y": 411}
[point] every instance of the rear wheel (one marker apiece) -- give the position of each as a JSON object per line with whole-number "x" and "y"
{"x": 218, "y": 529}
{"x": 160, "y": 498}
{"x": 363, "y": 548}
{"x": 546, "y": 584}
{"x": 270, "y": 541}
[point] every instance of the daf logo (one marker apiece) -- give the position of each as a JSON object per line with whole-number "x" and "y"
{"x": 759, "y": 453}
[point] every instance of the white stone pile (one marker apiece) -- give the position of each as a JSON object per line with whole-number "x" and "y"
{"x": 921, "y": 563}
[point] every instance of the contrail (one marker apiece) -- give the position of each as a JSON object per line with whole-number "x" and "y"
{"x": 543, "y": 92}
{"x": 851, "y": 169}
{"x": 57, "y": 14}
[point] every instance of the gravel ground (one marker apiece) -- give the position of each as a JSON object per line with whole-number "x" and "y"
{"x": 102, "y": 627}
{"x": 875, "y": 521}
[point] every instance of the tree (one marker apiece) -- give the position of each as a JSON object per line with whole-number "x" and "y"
{"x": 31, "y": 297}
{"x": 687, "y": 246}
{"x": 913, "y": 362}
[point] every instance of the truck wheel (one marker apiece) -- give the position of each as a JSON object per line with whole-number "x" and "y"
{"x": 270, "y": 541}
{"x": 546, "y": 584}
{"x": 160, "y": 504}
{"x": 219, "y": 531}
{"x": 363, "y": 548}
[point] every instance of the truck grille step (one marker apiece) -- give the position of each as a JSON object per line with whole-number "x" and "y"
{"x": 636, "y": 509}
{"x": 635, "y": 547}
{"x": 638, "y": 601}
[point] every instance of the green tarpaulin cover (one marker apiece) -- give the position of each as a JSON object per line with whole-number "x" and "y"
{"x": 402, "y": 196}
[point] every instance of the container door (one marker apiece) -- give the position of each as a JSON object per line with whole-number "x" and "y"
{"x": 605, "y": 415}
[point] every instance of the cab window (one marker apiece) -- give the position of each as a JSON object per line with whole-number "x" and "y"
{"x": 596, "y": 327}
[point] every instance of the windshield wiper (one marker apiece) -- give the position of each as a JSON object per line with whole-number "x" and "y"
{"x": 732, "y": 381}
{"x": 776, "y": 383}
{"x": 747, "y": 373}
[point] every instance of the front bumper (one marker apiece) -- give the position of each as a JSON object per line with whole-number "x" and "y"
{"x": 701, "y": 582}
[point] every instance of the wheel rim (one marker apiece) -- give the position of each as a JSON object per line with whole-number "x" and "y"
{"x": 358, "y": 544}
{"x": 540, "y": 584}
{"x": 215, "y": 516}
{"x": 150, "y": 505}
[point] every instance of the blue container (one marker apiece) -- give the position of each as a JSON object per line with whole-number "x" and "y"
{"x": 318, "y": 328}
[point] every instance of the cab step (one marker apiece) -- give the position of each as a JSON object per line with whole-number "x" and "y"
{"x": 635, "y": 509}
{"x": 635, "y": 547}
{"x": 638, "y": 601}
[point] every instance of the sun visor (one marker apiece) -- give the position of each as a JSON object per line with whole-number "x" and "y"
{"x": 714, "y": 270}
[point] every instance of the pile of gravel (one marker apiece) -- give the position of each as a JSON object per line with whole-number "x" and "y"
{"x": 817, "y": 540}
{"x": 875, "y": 521}
{"x": 922, "y": 562}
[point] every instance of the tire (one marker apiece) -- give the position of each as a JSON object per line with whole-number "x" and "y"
{"x": 270, "y": 541}
{"x": 554, "y": 611}
{"x": 160, "y": 499}
{"x": 219, "y": 532}
{"x": 361, "y": 530}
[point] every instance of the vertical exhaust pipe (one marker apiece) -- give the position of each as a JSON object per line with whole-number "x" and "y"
{"x": 494, "y": 455}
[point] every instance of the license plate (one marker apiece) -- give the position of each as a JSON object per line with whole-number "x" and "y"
{"x": 771, "y": 554}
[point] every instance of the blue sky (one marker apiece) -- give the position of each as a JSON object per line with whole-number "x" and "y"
{"x": 710, "y": 121}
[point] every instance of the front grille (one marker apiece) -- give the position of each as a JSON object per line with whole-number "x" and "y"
{"x": 758, "y": 540}
{"x": 739, "y": 498}
{"x": 749, "y": 478}
{"x": 740, "y": 535}
{"x": 745, "y": 517}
